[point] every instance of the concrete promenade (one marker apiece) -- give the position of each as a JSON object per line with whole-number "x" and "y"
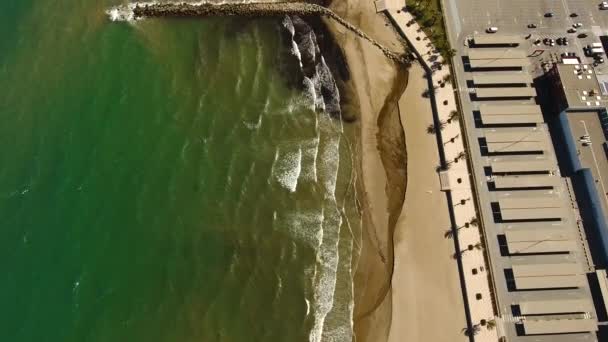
{"x": 468, "y": 240}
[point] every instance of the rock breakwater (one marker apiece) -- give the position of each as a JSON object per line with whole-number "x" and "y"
{"x": 254, "y": 9}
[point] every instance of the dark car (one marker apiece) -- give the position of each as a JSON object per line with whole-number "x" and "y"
{"x": 573, "y": 15}
{"x": 582, "y": 35}
{"x": 531, "y": 26}
{"x": 549, "y": 15}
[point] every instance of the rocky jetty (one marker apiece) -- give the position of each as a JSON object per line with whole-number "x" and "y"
{"x": 253, "y": 9}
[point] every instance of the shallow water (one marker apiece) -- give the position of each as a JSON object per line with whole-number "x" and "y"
{"x": 159, "y": 181}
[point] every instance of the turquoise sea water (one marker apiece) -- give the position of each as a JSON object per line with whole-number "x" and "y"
{"x": 159, "y": 181}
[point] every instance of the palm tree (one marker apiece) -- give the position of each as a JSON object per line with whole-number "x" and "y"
{"x": 477, "y": 246}
{"x": 453, "y": 115}
{"x": 491, "y": 324}
{"x": 450, "y": 233}
{"x": 474, "y": 330}
{"x": 474, "y": 221}
{"x": 450, "y": 53}
{"x": 447, "y": 78}
{"x": 460, "y": 156}
{"x": 431, "y": 129}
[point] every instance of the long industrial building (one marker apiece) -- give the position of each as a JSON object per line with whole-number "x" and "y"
{"x": 535, "y": 241}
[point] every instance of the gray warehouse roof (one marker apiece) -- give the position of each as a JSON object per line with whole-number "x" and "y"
{"x": 521, "y": 165}
{"x": 525, "y": 181}
{"x": 550, "y": 282}
{"x": 506, "y": 92}
{"x": 510, "y": 114}
{"x": 530, "y": 203}
{"x": 547, "y": 239}
{"x": 542, "y": 246}
{"x": 499, "y": 63}
{"x": 502, "y": 78}
{"x": 496, "y": 39}
{"x": 492, "y": 109}
{"x": 520, "y": 135}
{"x": 515, "y": 141}
{"x": 540, "y": 276}
{"x": 531, "y": 214}
{"x": 538, "y": 234}
{"x": 559, "y": 326}
{"x": 557, "y": 306}
{"x": 508, "y": 53}
{"x": 540, "y": 270}
{"x": 511, "y": 119}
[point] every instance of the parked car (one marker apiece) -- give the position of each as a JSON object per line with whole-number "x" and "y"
{"x": 573, "y": 15}
{"x": 532, "y": 26}
{"x": 577, "y": 25}
{"x": 492, "y": 29}
{"x": 549, "y": 15}
{"x": 604, "y": 5}
{"x": 572, "y": 30}
{"x": 582, "y": 35}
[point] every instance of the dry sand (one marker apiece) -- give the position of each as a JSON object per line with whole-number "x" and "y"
{"x": 427, "y": 298}
{"x": 421, "y": 299}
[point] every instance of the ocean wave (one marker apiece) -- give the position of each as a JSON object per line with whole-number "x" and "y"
{"x": 310, "y": 151}
{"x": 287, "y": 166}
{"x": 326, "y": 271}
{"x": 328, "y": 166}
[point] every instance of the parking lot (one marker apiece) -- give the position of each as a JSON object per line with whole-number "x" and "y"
{"x": 466, "y": 18}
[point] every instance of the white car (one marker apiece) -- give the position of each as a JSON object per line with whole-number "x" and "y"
{"x": 604, "y": 5}
{"x": 492, "y": 29}
{"x": 577, "y": 25}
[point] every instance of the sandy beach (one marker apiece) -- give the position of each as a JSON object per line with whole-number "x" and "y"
{"x": 406, "y": 281}
{"x": 426, "y": 289}
{"x": 375, "y": 87}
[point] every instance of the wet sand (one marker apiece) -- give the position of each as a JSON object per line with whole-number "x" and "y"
{"x": 406, "y": 282}
{"x": 375, "y": 86}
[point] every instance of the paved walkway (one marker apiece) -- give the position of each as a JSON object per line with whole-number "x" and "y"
{"x": 458, "y": 174}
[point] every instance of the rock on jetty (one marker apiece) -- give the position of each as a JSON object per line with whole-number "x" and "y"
{"x": 254, "y": 9}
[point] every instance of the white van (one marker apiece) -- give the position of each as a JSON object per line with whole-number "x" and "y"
{"x": 492, "y": 29}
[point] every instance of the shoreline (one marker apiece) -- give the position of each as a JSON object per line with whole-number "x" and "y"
{"x": 375, "y": 87}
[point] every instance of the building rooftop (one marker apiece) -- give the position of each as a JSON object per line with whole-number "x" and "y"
{"x": 501, "y": 78}
{"x": 496, "y": 39}
{"x": 499, "y": 63}
{"x": 559, "y": 326}
{"x": 580, "y": 86}
{"x": 525, "y": 181}
{"x": 497, "y": 54}
{"x": 556, "y": 306}
{"x": 506, "y": 92}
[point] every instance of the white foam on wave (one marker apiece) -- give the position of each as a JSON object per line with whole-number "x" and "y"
{"x": 287, "y": 166}
{"x": 310, "y": 150}
{"x": 121, "y": 13}
{"x": 310, "y": 93}
{"x": 295, "y": 49}
{"x": 305, "y": 226}
{"x": 329, "y": 164}
{"x": 326, "y": 272}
